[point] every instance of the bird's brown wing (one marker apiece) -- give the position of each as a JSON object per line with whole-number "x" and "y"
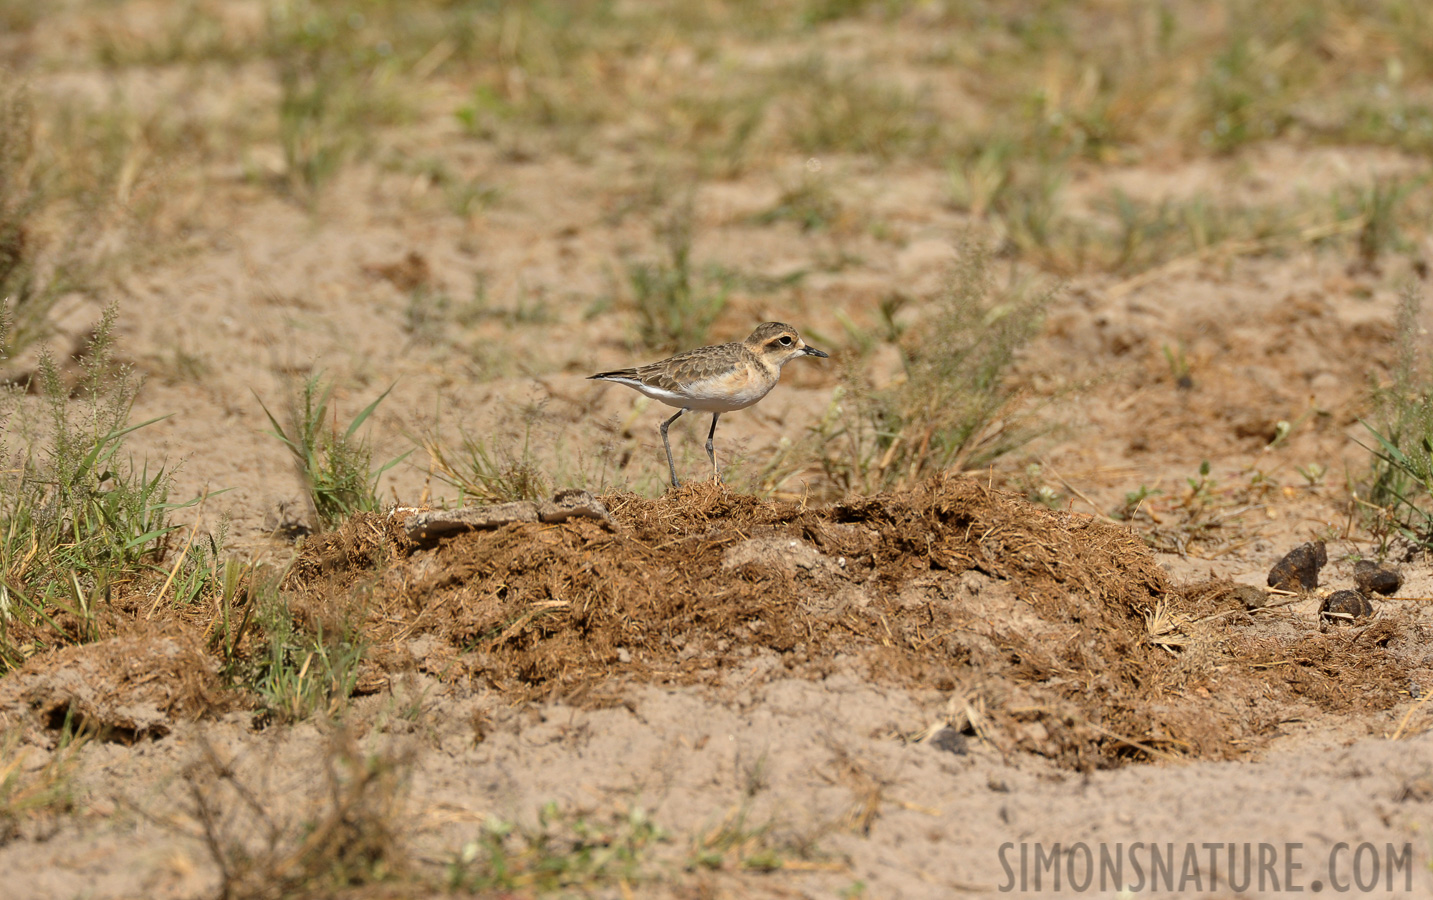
{"x": 677, "y": 372}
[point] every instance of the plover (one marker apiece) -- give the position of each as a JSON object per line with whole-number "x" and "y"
{"x": 717, "y": 379}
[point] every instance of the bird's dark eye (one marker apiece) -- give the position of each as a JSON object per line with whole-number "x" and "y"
{"x": 785, "y": 340}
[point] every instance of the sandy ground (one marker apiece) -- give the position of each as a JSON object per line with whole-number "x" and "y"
{"x": 686, "y": 758}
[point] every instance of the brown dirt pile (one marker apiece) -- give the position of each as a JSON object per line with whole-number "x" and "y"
{"x": 124, "y": 689}
{"x": 1054, "y": 632}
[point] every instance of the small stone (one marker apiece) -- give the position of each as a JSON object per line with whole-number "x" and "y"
{"x": 1345, "y": 607}
{"x": 1299, "y": 569}
{"x": 1372, "y": 578}
{"x": 949, "y": 740}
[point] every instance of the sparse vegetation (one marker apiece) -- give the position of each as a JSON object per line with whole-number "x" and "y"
{"x": 674, "y": 304}
{"x": 334, "y": 88}
{"x": 1378, "y": 207}
{"x": 835, "y": 110}
{"x": 739, "y": 843}
{"x": 35, "y": 270}
{"x": 334, "y": 466}
{"x": 1401, "y": 485}
{"x": 564, "y": 851}
{"x": 350, "y": 836}
{"x": 808, "y": 203}
{"x": 77, "y": 514}
{"x": 300, "y": 671}
{"x": 954, "y": 408}
{"x": 505, "y": 461}
{"x": 29, "y": 794}
{"x": 490, "y": 470}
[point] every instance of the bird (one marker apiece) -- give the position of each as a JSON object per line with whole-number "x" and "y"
{"x": 717, "y": 379}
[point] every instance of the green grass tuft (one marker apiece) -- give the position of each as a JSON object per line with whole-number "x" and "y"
{"x": 77, "y": 514}
{"x": 334, "y": 465}
{"x": 298, "y": 673}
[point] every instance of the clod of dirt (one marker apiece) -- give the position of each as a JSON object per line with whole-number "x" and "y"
{"x": 1299, "y": 569}
{"x": 407, "y": 274}
{"x": 1345, "y": 607}
{"x": 1251, "y": 597}
{"x": 1371, "y": 578}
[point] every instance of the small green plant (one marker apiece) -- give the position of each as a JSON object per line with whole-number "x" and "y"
{"x": 735, "y": 839}
{"x": 979, "y": 177}
{"x": 502, "y": 463}
{"x": 1201, "y": 488}
{"x": 313, "y": 147}
{"x": 1133, "y": 501}
{"x": 236, "y": 609}
{"x": 529, "y": 307}
{"x": 1178, "y": 363}
{"x": 831, "y": 109}
{"x": 1313, "y": 473}
{"x": 426, "y": 316}
{"x": 1029, "y": 206}
{"x": 1245, "y": 86}
{"x": 719, "y": 126}
{"x": 674, "y": 310}
{"x": 1401, "y": 480}
{"x": 563, "y": 852}
{"x": 853, "y": 891}
{"x": 1378, "y": 206}
{"x": 809, "y": 203}
{"x": 299, "y": 673}
{"x": 333, "y": 465}
{"x": 490, "y": 470}
{"x": 77, "y": 515}
{"x": 463, "y": 196}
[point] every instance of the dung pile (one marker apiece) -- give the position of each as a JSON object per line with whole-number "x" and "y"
{"x": 1057, "y": 632}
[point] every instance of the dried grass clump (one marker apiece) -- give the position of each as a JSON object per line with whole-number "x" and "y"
{"x": 349, "y": 837}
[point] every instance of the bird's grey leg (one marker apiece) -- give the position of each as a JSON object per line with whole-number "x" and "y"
{"x": 671, "y": 468}
{"x": 711, "y": 455}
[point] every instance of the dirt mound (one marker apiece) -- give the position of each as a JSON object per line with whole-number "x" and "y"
{"x": 1055, "y": 632}
{"x": 125, "y": 689}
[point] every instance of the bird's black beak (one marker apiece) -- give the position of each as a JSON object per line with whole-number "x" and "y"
{"x": 812, "y": 351}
